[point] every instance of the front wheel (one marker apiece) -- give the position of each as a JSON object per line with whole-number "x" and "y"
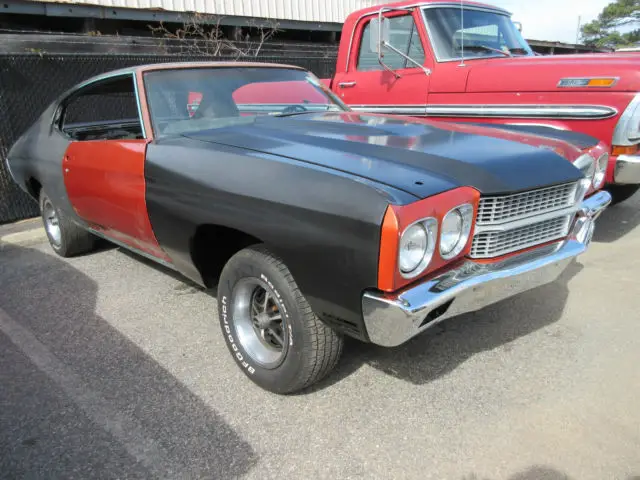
{"x": 269, "y": 327}
{"x": 620, "y": 193}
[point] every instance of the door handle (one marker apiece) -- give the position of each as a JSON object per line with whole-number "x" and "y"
{"x": 347, "y": 84}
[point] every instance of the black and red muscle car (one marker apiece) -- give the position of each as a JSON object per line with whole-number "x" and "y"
{"x": 314, "y": 221}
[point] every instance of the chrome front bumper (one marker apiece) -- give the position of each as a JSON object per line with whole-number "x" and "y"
{"x": 392, "y": 319}
{"x": 627, "y": 169}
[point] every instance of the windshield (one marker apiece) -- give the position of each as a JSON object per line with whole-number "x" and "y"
{"x": 194, "y": 99}
{"x": 484, "y": 34}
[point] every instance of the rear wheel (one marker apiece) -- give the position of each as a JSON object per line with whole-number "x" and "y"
{"x": 269, "y": 327}
{"x": 620, "y": 193}
{"x": 65, "y": 237}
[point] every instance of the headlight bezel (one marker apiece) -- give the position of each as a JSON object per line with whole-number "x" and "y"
{"x": 465, "y": 211}
{"x": 581, "y": 164}
{"x": 600, "y": 173}
{"x": 399, "y": 217}
{"x": 625, "y": 134}
{"x": 430, "y": 226}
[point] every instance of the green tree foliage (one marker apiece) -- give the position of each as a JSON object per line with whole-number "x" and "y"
{"x": 614, "y": 27}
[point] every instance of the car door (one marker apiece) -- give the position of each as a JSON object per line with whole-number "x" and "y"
{"x": 103, "y": 166}
{"x": 368, "y": 86}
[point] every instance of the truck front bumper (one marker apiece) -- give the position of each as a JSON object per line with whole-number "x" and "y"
{"x": 392, "y": 319}
{"x": 627, "y": 169}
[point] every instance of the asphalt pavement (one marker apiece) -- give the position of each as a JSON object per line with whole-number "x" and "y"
{"x": 112, "y": 367}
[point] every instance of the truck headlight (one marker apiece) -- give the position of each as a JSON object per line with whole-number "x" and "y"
{"x": 456, "y": 227}
{"x": 417, "y": 244}
{"x": 601, "y": 170}
{"x": 627, "y": 131}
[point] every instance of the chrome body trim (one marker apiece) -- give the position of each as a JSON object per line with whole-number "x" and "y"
{"x": 533, "y": 124}
{"x": 392, "y": 319}
{"x": 575, "y": 112}
{"x": 627, "y": 169}
{"x": 164, "y": 263}
{"x": 412, "y": 110}
{"x": 620, "y": 137}
{"x": 139, "y": 105}
{"x": 615, "y": 80}
{"x": 422, "y": 6}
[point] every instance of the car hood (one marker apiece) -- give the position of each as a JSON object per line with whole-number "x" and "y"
{"x": 542, "y": 73}
{"x": 421, "y": 158}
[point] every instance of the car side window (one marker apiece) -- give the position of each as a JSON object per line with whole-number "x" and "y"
{"x": 403, "y": 36}
{"x": 105, "y": 110}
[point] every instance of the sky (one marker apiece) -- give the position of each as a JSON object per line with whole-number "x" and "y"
{"x": 552, "y": 20}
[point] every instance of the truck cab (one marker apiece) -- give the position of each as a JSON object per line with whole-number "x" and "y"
{"x": 468, "y": 62}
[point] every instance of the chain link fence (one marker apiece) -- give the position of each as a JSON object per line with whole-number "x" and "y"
{"x": 30, "y": 82}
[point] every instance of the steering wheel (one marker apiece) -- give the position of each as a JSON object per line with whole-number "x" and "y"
{"x": 294, "y": 109}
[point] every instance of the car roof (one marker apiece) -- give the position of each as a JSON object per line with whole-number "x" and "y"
{"x": 180, "y": 65}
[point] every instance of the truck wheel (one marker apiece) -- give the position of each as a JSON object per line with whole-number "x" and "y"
{"x": 269, "y": 327}
{"x": 65, "y": 237}
{"x": 620, "y": 193}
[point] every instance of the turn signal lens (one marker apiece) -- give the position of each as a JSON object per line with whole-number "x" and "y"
{"x": 630, "y": 150}
{"x": 601, "y": 82}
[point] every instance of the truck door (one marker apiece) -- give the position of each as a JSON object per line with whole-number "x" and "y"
{"x": 368, "y": 86}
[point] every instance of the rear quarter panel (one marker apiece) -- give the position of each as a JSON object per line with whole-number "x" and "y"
{"x": 38, "y": 154}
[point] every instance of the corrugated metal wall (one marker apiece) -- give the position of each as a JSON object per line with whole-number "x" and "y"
{"x": 303, "y": 10}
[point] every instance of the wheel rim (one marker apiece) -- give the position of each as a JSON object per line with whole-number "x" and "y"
{"x": 259, "y": 322}
{"x": 51, "y": 222}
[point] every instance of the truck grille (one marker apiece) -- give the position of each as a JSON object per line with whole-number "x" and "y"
{"x": 488, "y": 244}
{"x": 507, "y": 208}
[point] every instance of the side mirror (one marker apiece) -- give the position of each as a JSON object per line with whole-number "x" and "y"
{"x": 518, "y": 26}
{"x": 379, "y": 34}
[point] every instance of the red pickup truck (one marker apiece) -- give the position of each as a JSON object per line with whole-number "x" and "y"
{"x": 468, "y": 62}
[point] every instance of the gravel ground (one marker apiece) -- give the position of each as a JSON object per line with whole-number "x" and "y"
{"x": 112, "y": 367}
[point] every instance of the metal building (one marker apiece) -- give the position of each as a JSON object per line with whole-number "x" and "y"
{"x": 325, "y": 15}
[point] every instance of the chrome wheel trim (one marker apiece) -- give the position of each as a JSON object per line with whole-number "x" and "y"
{"x": 259, "y": 322}
{"x": 51, "y": 222}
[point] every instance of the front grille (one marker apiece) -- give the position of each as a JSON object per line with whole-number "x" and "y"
{"x": 488, "y": 244}
{"x": 507, "y": 208}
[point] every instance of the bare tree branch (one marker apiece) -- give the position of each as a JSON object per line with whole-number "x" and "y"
{"x": 202, "y": 34}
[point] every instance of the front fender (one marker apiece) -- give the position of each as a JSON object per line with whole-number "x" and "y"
{"x": 325, "y": 225}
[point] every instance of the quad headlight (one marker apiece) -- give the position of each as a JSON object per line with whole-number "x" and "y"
{"x": 416, "y": 248}
{"x": 587, "y": 165}
{"x": 601, "y": 170}
{"x": 456, "y": 227}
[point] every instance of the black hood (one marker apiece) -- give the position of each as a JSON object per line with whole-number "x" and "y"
{"x": 421, "y": 158}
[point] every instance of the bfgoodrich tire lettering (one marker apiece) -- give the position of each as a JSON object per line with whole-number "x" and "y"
{"x": 311, "y": 348}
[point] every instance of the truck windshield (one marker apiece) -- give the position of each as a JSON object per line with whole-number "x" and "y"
{"x": 483, "y": 34}
{"x": 194, "y": 99}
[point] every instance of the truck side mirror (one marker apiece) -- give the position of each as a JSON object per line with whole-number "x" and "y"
{"x": 379, "y": 34}
{"x": 518, "y": 26}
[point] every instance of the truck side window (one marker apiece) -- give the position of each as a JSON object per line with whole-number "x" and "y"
{"x": 404, "y": 37}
